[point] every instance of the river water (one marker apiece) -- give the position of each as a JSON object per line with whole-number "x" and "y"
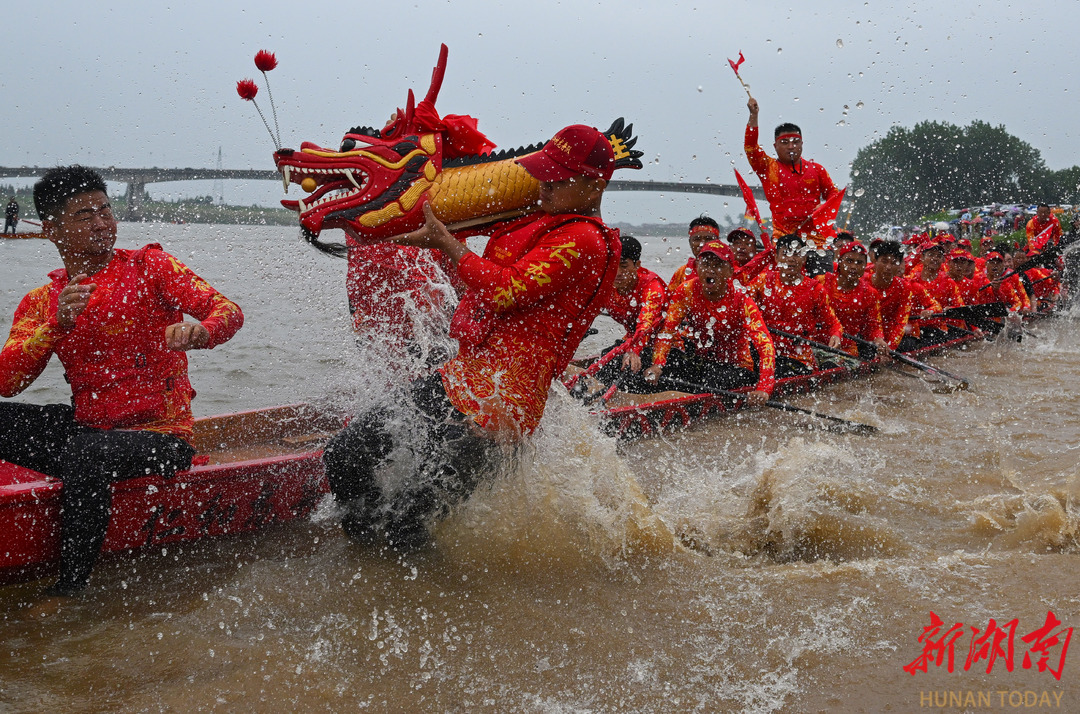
{"x": 817, "y": 560}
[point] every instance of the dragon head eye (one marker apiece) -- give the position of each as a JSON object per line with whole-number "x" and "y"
{"x": 348, "y": 145}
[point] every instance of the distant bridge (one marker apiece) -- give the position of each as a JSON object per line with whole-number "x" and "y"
{"x": 137, "y": 179}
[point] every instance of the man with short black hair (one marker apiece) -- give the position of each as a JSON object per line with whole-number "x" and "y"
{"x": 115, "y": 319}
{"x": 1043, "y": 229}
{"x": 637, "y": 303}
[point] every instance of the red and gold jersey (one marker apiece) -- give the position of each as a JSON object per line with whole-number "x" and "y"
{"x": 1034, "y": 231}
{"x": 945, "y": 291}
{"x": 528, "y": 302}
{"x": 801, "y": 309}
{"x": 902, "y": 299}
{"x": 1004, "y": 291}
{"x": 684, "y": 273}
{"x": 724, "y": 329}
{"x": 793, "y": 192}
{"x": 641, "y": 310}
{"x": 858, "y": 310}
{"x": 1043, "y": 284}
{"x": 122, "y": 375}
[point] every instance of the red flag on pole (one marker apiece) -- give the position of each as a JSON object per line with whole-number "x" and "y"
{"x": 1039, "y": 242}
{"x": 825, "y": 214}
{"x": 735, "y": 65}
{"x": 752, "y": 209}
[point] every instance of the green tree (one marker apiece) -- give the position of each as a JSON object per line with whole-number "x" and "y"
{"x": 936, "y": 165}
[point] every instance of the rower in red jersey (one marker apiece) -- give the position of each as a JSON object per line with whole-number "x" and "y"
{"x": 747, "y": 261}
{"x": 710, "y": 327}
{"x": 1043, "y": 286}
{"x": 899, "y": 298}
{"x": 1043, "y": 229}
{"x": 637, "y": 303}
{"x": 842, "y": 238}
{"x": 792, "y": 302}
{"x": 994, "y": 287}
{"x": 941, "y": 287}
{"x": 702, "y": 230}
{"x": 1011, "y": 261}
{"x": 854, "y": 302}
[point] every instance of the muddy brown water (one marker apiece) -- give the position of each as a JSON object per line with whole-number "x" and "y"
{"x": 817, "y": 558}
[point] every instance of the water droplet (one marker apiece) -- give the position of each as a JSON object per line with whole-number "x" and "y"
{"x": 779, "y": 50}
{"x": 699, "y": 88}
{"x": 840, "y": 43}
{"x": 859, "y": 105}
{"x": 841, "y": 123}
{"x": 860, "y": 191}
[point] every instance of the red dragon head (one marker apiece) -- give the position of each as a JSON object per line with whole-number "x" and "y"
{"x": 375, "y": 183}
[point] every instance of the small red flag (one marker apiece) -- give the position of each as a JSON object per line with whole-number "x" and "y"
{"x": 825, "y": 214}
{"x": 752, "y": 208}
{"x": 735, "y": 65}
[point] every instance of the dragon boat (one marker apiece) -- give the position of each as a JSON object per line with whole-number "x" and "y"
{"x": 252, "y": 469}
{"x": 629, "y": 416}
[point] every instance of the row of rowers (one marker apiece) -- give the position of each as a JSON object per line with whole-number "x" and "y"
{"x": 716, "y": 325}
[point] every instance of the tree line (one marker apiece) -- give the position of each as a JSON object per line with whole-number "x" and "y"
{"x": 915, "y": 172}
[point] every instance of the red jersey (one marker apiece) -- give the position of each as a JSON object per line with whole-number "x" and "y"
{"x": 793, "y": 192}
{"x": 898, "y": 302}
{"x": 1005, "y": 291}
{"x": 387, "y": 284}
{"x": 724, "y": 329}
{"x": 858, "y": 310}
{"x": 1044, "y": 286}
{"x": 945, "y": 291}
{"x": 528, "y": 303}
{"x": 1034, "y": 231}
{"x": 641, "y": 310}
{"x": 685, "y": 272}
{"x": 121, "y": 373}
{"x": 801, "y": 309}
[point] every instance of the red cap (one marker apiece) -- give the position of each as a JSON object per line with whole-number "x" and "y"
{"x": 986, "y": 239}
{"x": 577, "y": 150}
{"x": 852, "y": 247}
{"x": 744, "y": 232}
{"x": 959, "y": 254}
{"x": 929, "y": 245}
{"x": 964, "y": 243}
{"x": 719, "y": 249}
{"x": 994, "y": 255}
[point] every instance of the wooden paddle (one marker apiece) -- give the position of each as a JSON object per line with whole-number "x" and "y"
{"x": 898, "y": 356}
{"x": 962, "y": 382}
{"x": 835, "y": 423}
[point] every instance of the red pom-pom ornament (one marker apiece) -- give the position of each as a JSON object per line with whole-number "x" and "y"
{"x": 247, "y": 89}
{"x": 265, "y": 60}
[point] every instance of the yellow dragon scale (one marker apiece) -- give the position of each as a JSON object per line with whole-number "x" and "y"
{"x": 467, "y": 192}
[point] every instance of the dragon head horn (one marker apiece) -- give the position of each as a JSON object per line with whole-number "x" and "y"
{"x": 437, "y": 76}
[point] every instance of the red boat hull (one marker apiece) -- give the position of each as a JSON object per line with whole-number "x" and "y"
{"x": 211, "y": 499}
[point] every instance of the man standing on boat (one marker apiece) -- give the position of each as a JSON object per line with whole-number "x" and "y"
{"x": 11, "y": 216}
{"x": 115, "y": 319}
{"x": 528, "y": 302}
{"x": 793, "y": 186}
{"x": 1043, "y": 229}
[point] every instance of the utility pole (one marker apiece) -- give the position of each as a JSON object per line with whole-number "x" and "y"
{"x": 219, "y": 185}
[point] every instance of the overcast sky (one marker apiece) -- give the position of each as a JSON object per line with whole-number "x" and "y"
{"x": 139, "y": 84}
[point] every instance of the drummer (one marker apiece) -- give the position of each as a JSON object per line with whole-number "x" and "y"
{"x": 702, "y": 229}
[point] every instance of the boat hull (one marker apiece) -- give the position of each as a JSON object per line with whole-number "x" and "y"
{"x": 253, "y": 469}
